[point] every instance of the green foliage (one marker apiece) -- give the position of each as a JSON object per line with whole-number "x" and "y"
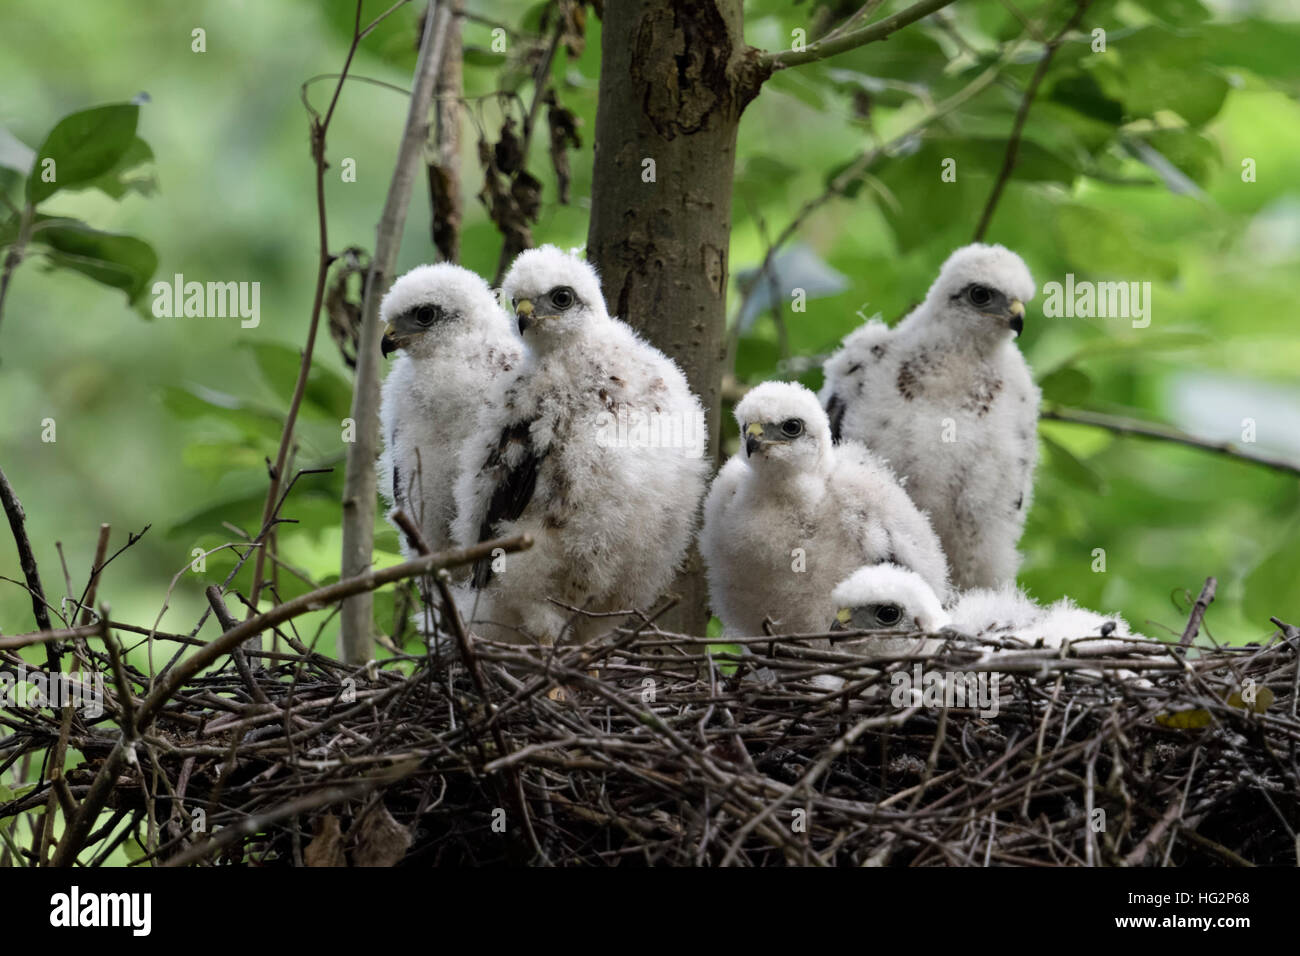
{"x": 1129, "y": 168}
{"x": 88, "y": 149}
{"x": 82, "y": 146}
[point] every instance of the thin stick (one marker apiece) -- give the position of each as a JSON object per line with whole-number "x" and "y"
{"x": 1022, "y": 115}
{"x": 356, "y": 617}
{"x": 27, "y": 560}
{"x": 319, "y": 129}
{"x": 237, "y": 654}
{"x": 834, "y": 44}
{"x": 1140, "y": 429}
{"x": 1198, "y": 612}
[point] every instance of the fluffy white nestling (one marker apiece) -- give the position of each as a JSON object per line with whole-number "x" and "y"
{"x": 947, "y": 399}
{"x": 597, "y": 451}
{"x": 885, "y": 597}
{"x": 456, "y": 344}
{"x": 890, "y": 598}
{"x": 790, "y": 516}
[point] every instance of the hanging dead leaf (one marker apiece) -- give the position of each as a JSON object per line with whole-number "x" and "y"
{"x": 445, "y": 214}
{"x": 343, "y": 305}
{"x": 526, "y": 191}
{"x": 509, "y": 151}
{"x": 563, "y": 126}
{"x": 571, "y": 23}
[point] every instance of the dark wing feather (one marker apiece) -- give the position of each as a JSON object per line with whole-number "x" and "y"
{"x": 835, "y": 412}
{"x": 515, "y": 487}
{"x": 397, "y": 472}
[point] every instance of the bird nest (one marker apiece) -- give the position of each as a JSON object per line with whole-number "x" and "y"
{"x": 651, "y": 748}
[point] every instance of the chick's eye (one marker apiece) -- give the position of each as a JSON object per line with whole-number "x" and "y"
{"x": 792, "y": 428}
{"x": 889, "y": 614}
{"x": 562, "y": 298}
{"x": 426, "y": 314}
{"x": 980, "y": 295}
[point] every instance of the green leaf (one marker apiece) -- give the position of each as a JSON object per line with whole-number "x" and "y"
{"x": 1072, "y": 469}
{"x": 1165, "y": 72}
{"x": 327, "y": 392}
{"x": 477, "y": 56}
{"x": 1266, "y": 48}
{"x": 931, "y": 211}
{"x": 531, "y": 21}
{"x": 1067, "y": 386}
{"x": 122, "y": 262}
{"x": 125, "y": 176}
{"x": 309, "y": 505}
{"x": 1178, "y": 13}
{"x": 84, "y": 145}
{"x": 1111, "y": 245}
{"x": 1194, "y": 155}
{"x": 195, "y": 402}
{"x": 1080, "y": 91}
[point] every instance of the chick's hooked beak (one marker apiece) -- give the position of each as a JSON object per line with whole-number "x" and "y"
{"x": 524, "y": 312}
{"x": 390, "y": 343}
{"x": 753, "y": 438}
{"x": 1017, "y": 310}
{"x": 841, "y": 621}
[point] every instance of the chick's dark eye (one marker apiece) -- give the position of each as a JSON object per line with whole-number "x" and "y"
{"x": 792, "y": 428}
{"x": 426, "y": 315}
{"x": 980, "y": 295}
{"x": 562, "y": 298}
{"x": 889, "y": 614}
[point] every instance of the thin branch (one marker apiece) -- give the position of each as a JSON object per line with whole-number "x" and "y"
{"x": 18, "y": 641}
{"x": 88, "y": 596}
{"x": 359, "y": 495}
{"x": 75, "y": 834}
{"x": 1140, "y": 429}
{"x": 860, "y": 14}
{"x": 27, "y": 560}
{"x": 1022, "y": 115}
{"x": 227, "y": 623}
{"x": 1198, "y": 612}
{"x": 315, "y": 601}
{"x": 319, "y": 128}
{"x": 833, "y": 44}
{"x": 15, "y": 254}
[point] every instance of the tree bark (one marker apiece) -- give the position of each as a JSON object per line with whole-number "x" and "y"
{"x": 675, "y": 78}
{"x": 444, "y": 175}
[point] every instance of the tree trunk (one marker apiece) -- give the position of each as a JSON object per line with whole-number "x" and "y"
{"x": 674, "y": 80}
{"x": 444, "y": 174}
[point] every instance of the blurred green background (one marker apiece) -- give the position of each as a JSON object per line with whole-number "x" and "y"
{"x": 1131, "y": 170}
